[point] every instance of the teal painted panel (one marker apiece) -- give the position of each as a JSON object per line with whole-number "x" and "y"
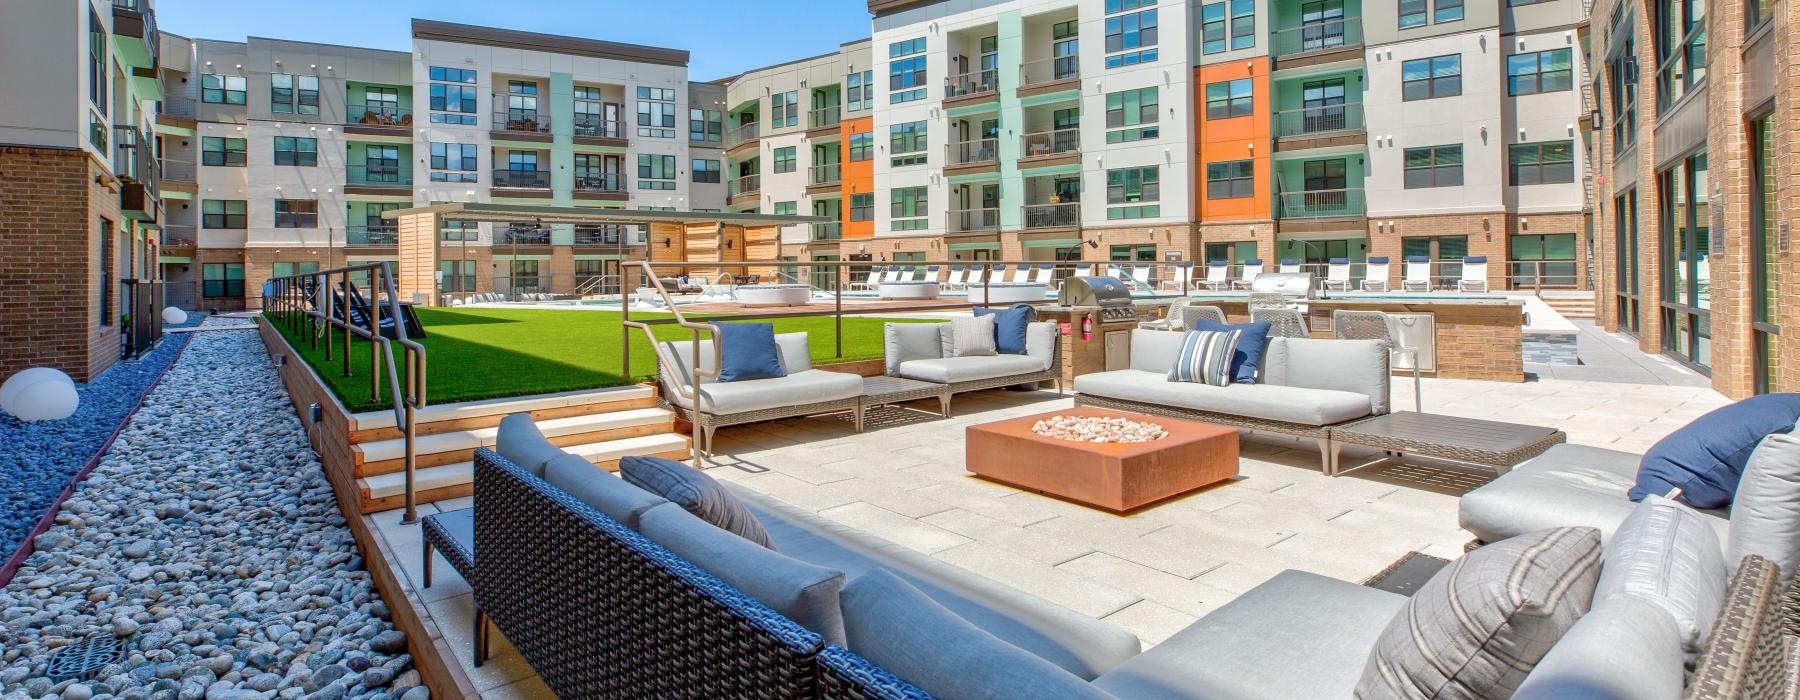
{"x": 562, "y": 151}
{"x": 1011, "y": 27}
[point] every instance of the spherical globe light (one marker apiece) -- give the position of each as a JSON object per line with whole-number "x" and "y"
{"x": 46, "y": 395}
{"x": 174, "y": 316}
{"x": 20, "y": 379}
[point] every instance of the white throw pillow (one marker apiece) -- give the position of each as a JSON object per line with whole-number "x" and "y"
{"x": 1765, "y": 513}
{"x": 1666, "y": 553}
{"x": 972, "y": 336}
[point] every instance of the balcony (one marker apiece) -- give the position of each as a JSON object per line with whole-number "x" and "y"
{"x": 744, "y": 134}
{"x": 1050, "y": 75}
{"x": 973, "y": 156}
{"x": 135, "y": 34}
{"x": 1065, "y": 215}
{"x": 601, "y": 186}
{"x": 134, "y": 162}
{"x": 1316, "y": 43}
{"x": 1050, "y": 148}
{"x": 1320, "y": 127}
{"x": 824, "y": 117}
{"x": 377, "y": 176}
{"x": 177, "y": 240}
{"x": 974, "y": 87}
{"x": 613, "y": 235}
{"x": 1321, "y": 204}
{"x": 371, "y": 236}
{"x": 827, "y": 232}
{"x": 522, "y": 234}
{"x": 520, "y": 124}
{"x": 178, "y": 171}
{"x": 595, "y": 130}
{"x": 184, "y": 109}
{"x": 973, "y": 220}
{"x": 379, "y": 119}
{"x": 825, "y": 175}
{"x": 522, "y": 179}
{"x": 744, "y": 189}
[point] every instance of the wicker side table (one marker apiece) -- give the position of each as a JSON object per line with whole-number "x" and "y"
{"x": 882, "y": 390}
{"x": 453, "y": 535}
{"x": 1484, "y": 442}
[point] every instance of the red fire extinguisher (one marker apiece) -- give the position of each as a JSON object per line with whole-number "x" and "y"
{"x": 1087, "y": 327}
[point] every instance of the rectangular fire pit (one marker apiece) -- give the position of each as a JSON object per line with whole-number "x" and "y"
{"x": 1114, "y": 476}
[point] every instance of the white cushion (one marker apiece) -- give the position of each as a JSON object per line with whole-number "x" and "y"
{"x": 1765, "y": 514}
{"x": 1666, "y": 553}
{"x": 949, "y": 370}
{"x": 971, "y": 336}
{"x": 1267, "y": 401}
{"x": 799, "y": 388}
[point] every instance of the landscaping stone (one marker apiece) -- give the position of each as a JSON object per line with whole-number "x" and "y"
{"x": 208, "y": 541}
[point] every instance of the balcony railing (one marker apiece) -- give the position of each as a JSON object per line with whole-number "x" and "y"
{"x": 395, "y": 175}
{"x": 975, "y": 152}
{"x": 368, "y": 236}
{"x": 178, "y": 236}
{"x": 744, "y": 185}
{"x": 745, "y": 132}
{"x": 603, "y": 182}
{"x": 826, "y": 174}
{"x": 525, "y": 179}
{"x": 1319, "y": 121}
{"x": 180, "y": 170}
{"x": 965, "y": 220}
{"x": 525, "y": 234}
{"x": 528, "y": 121}
{"x": 184, "y": 107}
{"x": 1052, "y": 215}
{"x": 1049, "y": 70}
{"x": 979, "y": 82}
{"x": 1321, "y": 204}
{"x": 133, "y": 158}
{"x": 828, "y": 231}
{"x": 377, "y": 114}
{"x": 824, "y": 116}
{"x": 521, "y": 284}
{"x": 1049, "y": 143}
{"x": 597, "y": 126}
{"x": 609, "y": 234}
{"x": 1317, "y": 36}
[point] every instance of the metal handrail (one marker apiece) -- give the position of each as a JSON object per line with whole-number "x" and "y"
{"x": 1325, "y": 119}
{"x": 974, "y": 151}
{"x": 824, "y": 117}
{"x": 744, "y": 132}
{"x": 296, "y": 299}
{"x": 975, "y": 82}
{"x": 825, "y": 173}
{"x": 1049, "y": 143}
{"x": 1049, "y": 70}
{"x": 1330, "y": 34}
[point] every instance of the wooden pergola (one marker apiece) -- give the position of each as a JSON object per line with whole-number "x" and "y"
{"x": 673, "y": 236}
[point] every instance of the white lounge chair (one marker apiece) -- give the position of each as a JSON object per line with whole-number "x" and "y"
{"x": 1041, "y": 274}
{"x": 1252, "y": 268}
{"x": 892, "y": 274}
{"x": 1140, "y": 276}
{"x": 1337, "y": 275}
{"x": 1418, "y": 274}
{"x": 1218, "y": 276}
{"x": 1290, "y": 266}
{"x": 931, "y": 273}
{"x": 1474, "y": 275}
{"x": 1375, "y": 275}
{"x": 956, "y": 280}
{"x": 1180, "y": 279}
{"x": 1084, "y": 270}
{"x": 977, "y": 275}
{"x": 862, "y": 281}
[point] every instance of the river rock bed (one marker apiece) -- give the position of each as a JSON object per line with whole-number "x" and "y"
{"x": 209, "y": 544}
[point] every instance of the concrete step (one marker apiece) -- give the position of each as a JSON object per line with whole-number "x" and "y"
{"x": 389, "y": 456}
{"x": 455, "y": 480}
{"x": 375, "y": 426}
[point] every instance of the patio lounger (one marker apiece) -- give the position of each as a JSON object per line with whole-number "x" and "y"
{"x": 1041, "y": 274}
{"x": 1474, "y": 274}
{"x": 1140, "y": 276}
{"x": 999, "y": 274}
{"x": 1418, "y": 274}
{"x": 1180, "y": 280}
{"x": 1337, "y": 275}
{"x": 1084, "y": 270}
{"x": 1252, "y": 268}
{"x": 892, "y": 274}
{"x": 1218, "y": 275}
{"x": 1375, "y": 276}
{"x": 867, "y": 281}
{"x": 977, "y": 275}
{"x": 1290, "y": 266}
{"x": 957, "y": 279}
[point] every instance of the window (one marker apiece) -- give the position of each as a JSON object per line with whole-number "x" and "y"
{"x": 382, "y": 102}
{"x": 909, "y": 208}
{"x": 1412, "y": 13}
{"x": 454, "y": 162}
{"x": 1065, "y": 50}
{"x": 97, "y": 131}
{"x": 296, "y": 213}
{"x": 222, "y": 89}
{"x": 1139, "y": 188}
{"x": 859, "y": 91}
{"x": 785, "y": 208}
{"x": 1533, "y": 73}
{"x": 906, "y": 71}
{"x": 1216, "y": 34}
{"x": 784, "y": 109}
{"x": 1428, "y": 78}
{"x": 1434, "y": 166}
{"x": 862, "y": 207}
{"x": 296, "y": 150}
{"x": 593, "y": 116}
{"x": 1622, "y": 76}
{"x": 218, "y": 150}
{"x": 222, "y": 280}
{"x": 459, "y": 230}
{"x": 1228, "y": 99}
{"x": 706, "y": 170}
{"x": 1541, "y": 259}
{"x": 97, "y": 62}
{"x": 223, "y": 213}
{"x": 1759, "y": 11}
{"x": 656, "y": 112}
{"x": 862, "y": 146}
{"x": 457, "y": 275}
{"x": 1542, "y": 163}
{"x": 1238, "y": 252}
{"x": 1765, "y": 249}
{"x": 785, "y": 159}
{"x": 452, "y": 96}
{"x": 906, "y": 143}
{"x": 293, "y": 94}
{"x": 107, "y": 252}
{"x": 1140, "y": 252}
{"x": 656, "y": 172}
{"x": 289, "y": 269}
{"x": 1686, "y": 246}
{"x": 1231, "y": 180}
{"x": 706, "y": 125}
{"x": 1134, "y": 34}
{"x": 1680, "y": 33}
{"x": 1131, "y": 115}
{"x": 1446, "y": 11}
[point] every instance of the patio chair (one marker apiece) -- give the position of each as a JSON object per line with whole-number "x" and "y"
{"x": 1418, "y": 274}
{"x": 1337, "y": 275}
{"x": 931, "y": 273}
{"x": 1180, "y": 280}
{"x": 999, "y": 275}
{"x": 1173, "y": 319}
{"x": 1140, "y": 276}
{"x": 1375, "y": 275}
{"x": 1218, "y": 276}
{"x": 1252, "y": 268}
{"x": 957, "y": 279}
{"x": 1193, "y": 313}
{"x": 1474, "y": 275}
{"x": 1041, "y": 274}
{"x": 1283, "y": 323}
{"x": 1084, "y": 270}
{"x": 867, "y": 281}
{"x": 892, "y": 274}
{"x": 977, "y": 276}
{"x": 1290, "y": 266}
{"x": 1373, "y": 325}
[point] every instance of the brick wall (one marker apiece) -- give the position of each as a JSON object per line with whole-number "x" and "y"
{"x": 1262, "y": 232}
{"x": 203, "y": 256}
{"x": 50, "y": 211}
{"x": 1486, "y": 234}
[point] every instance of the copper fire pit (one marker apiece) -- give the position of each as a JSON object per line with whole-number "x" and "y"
{"x": 1116, "y": 476}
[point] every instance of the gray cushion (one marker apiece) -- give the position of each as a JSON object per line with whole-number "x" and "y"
{"x": 949, "y": 370}
{"x": 1666, "y": 553}
{"x": 1155, "y": 351}
{"x": 1298, "y": 635}
{"x": 970, "y": 336}
{"x": 805, "y": 593}
{"x": 696, "y": 493}
{"x": 1079, "y": 644}
{"x": 599, "y": 488}
{"x": 1765, "y": 517}
{"x": 1626, "y": 648}
{"x": 796, "y": 356}
{"x": 911, "y": 341}
{"x": 1477, "y": 627}
{"x": 796, "y": 389}
{"x": 1269, "y": 401}
{"x": 519, "y": 441}
{"x": 900, "y": 629}
{"x": 1040, "y": 342}
{"x": 1359, "y": 366}
{"x": 1568, "y": 485}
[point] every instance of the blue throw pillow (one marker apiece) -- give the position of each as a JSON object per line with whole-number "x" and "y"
{"x": 749, "y": 351}
{"x": 1009, "y": 327}
{"x": 1704, "y": 459}
{"x": 1205, "y": 357}
{"x": 1254, "y": 341}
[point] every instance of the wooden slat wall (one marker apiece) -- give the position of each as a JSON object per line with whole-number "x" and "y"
{"x": 703, "y": 245}
{"x": 417, "y": 276}
{"x": 762, "y": 243}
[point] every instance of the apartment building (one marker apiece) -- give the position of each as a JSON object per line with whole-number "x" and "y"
{"x": 78, "y": 181}
{"x": 1695, "y": 136}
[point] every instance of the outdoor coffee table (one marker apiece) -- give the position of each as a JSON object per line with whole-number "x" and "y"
{"x": 1112, "y": 476}
{"x": 1469, "y": 440}
{"x": 878, "y": 391}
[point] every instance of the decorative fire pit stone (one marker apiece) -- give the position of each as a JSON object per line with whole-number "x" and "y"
{"x": 1098, "y": 429}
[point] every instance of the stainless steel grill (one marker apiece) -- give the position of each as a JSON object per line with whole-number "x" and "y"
{"x": 1106, "y": 293}
{"x": 1296, "y": 286}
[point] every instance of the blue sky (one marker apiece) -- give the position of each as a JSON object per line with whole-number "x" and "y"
{"x": 723, "y": 38}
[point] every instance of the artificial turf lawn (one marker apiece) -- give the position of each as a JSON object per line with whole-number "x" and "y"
{"x": 491, "y": 353}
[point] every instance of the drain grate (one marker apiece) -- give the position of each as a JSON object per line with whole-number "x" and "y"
{"x": 83, "y": 659}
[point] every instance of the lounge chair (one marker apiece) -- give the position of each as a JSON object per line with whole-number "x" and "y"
{"x": 892, "y": 274}
{"x": 1337, "y": 275}
{"x": 931, "y": 273}
{"x": 957, "y": 279}
{"x": 1218, "y": 275}
{"x": 1252, "y": 268}
{"x": 1180, "y": 281}
{"x": 1418, "y": 274}
{"x": 1041, "y": 274}
{"x": 1290, "y": 266}
{"x": 1084, "y": 270}
{"x": 866, "y": 283}
{"x": 802, "y": 391}
{"x": 1474, "y": 275}
{"x": 1375, "y": 275}
{"x": 1140, "y": 276}
{"x": 998, "y": 274}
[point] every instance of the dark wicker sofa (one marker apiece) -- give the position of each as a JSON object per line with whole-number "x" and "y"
{"x": 601, "y": 611}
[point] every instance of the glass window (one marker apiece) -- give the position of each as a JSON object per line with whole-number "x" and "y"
{"x": 296, "y": 213}
{"x": 909, "y": 208}
{"x": 454, "y": 162}
{"x": 1139, "y": 188}
{"x": 1434, "y": 166}
{"x": 594, "y": 117}
{"x": 291, "y": 94}
{"x": 785, "y": 208}
{"x": 906, "y": 143}
{"x": 1065, "y": 49}
{"x": 218, "y": 150}
{"x": 784, "y": 109}
{"x": 458, "y": 275}
{"x": 1131, "y": 38}
{"x": 97, "y": 63}
{"x": 222, "y": 89}
{"x": 224, "y": 213}
{"x": 1131, "y": 115}
{"x": 706, "y": 125}
{"x": 1428, "y": 78}
{"x": 1680, "y": 33}
{"x": 1622, "y": 75}
{"x": 1543, "y": 71}
{"x": 296, "y": 150}
{"x": 906, "y": 70}
{"x": 862, "y": 146}
{"x": 289, "y": 269}
{"x": 1686, "y": 246}
{"x": 452, "y": 98}
{"x": 1228, "y": 99}
{"x": 705, "y": 170}
{"x": 656, "y": 172}
{"x": 862, "y": 207}
{"x": 1231, "y": 180}
{"x": 1446, "y": 11}
{"x": 222, "y": 280}
{"x": 859, "y": 94}
{"x": 1759, "y": 11}
{"x": 1541, "y": 163}
{"x": 785, "y": 159}
{"x": 1412, "y": 13}
{"x": 656, "y": 112}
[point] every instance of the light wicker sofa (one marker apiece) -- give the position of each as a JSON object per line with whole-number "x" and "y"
{"x": 803, "y": 392}
{"x": 917, "y": 351}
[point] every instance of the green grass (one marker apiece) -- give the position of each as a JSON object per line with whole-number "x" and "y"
{"x": 491, "y": 353}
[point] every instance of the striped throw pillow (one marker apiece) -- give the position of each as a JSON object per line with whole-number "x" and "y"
{"x": 1205, "y": 357}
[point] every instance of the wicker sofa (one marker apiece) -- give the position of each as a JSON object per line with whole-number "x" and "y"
{"x": 916, "y": 351}
{"x": 1307, "y": 386}
{"x": 1566, "y": 485}
{"x": 804, "y": 391}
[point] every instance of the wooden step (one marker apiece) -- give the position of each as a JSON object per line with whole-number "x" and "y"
{"x": 455, "y": 480}
{"x": 374, "y": 426}
{"x": 388, "y": 456}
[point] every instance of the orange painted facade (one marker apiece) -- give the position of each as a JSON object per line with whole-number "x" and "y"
{"x": 1237, "y": 138}
{"x": 858, "y": 176}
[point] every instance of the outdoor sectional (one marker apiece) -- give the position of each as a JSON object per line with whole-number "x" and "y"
{"x": 1567, "y": 485}
{"x": 804, "y": 391}
{"x": 916, "y": 351}
{"x": 1306, "y": 387}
